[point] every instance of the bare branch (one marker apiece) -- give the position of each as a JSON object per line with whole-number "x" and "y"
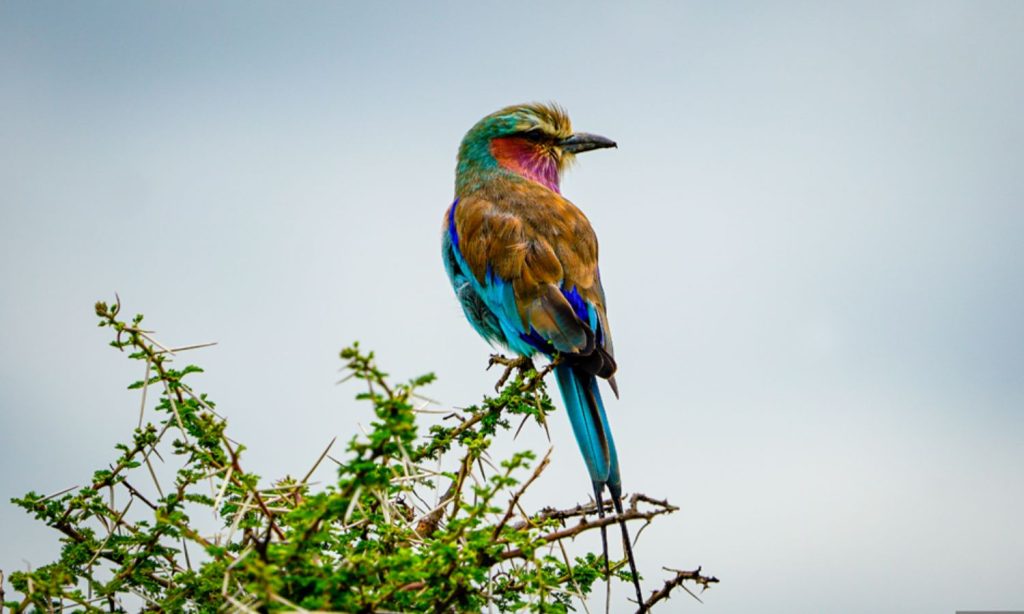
{"x": 632, "y": 513}
{"x": 677, "y": 581}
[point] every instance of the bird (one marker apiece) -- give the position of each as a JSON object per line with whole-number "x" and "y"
{"x": 523, "y": 261}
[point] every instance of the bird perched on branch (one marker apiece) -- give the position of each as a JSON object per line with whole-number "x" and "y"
{"x": 523, "y": 262}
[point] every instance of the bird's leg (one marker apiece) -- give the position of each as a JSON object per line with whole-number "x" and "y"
{"x": 522, "y": 363}
{"x": 598, "y": 490}
{"x": 628, "y": 547}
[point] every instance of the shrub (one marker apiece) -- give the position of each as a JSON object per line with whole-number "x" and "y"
{"x": 373, "y": 540}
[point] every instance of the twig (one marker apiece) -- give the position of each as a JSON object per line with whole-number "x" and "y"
{"x": 255, "y": 493}
{"x": 572, "y": 578}
{"x": 519, "y": 493}
{"x": 137, "y": 494}
{"x": 103, "y": 545}
{"x": 565, "y": 514}
{"x": 522, "y": 363}
{"x": 633, "y": 513}
{"x": 677, "y": 581}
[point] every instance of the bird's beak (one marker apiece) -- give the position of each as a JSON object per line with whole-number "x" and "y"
{"x": 581, "y": 141}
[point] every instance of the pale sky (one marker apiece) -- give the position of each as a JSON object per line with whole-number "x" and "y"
{"x": 811, "y": 242}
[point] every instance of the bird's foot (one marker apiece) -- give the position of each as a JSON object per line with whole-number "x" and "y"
{"x": 520, "y": 363}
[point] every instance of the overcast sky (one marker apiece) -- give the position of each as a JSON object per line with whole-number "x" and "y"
{"x": 811, "y": 242}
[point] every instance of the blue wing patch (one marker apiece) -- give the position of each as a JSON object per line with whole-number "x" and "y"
{"x": 491, "y": 306}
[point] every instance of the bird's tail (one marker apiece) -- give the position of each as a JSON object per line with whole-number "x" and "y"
{"x": 590, "y": 425}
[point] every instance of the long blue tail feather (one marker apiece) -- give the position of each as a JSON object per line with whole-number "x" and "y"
{"x": 593, "y": 435}
{"x": 590, "y": 425}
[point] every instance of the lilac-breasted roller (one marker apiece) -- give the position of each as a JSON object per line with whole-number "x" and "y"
{"x": 523, "y": 262}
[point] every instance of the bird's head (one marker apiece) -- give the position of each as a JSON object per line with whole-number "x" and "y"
{"x": 535, "y": 141}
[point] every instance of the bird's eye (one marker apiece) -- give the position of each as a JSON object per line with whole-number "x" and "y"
{"x": 535, "y": 135}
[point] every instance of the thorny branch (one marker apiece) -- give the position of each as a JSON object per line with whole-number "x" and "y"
{"x": 631, "y": 513}
{"x": 519, "y": 493}
{"x": 278, "y": 542}
{"x": 677, "y": 581}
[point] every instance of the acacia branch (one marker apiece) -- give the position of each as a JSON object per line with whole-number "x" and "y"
{"x": 519, "y": 493}
{"x": 255, "y": 492}
{"x": 672, "y": 583}
{"x": 631, "y": 513}
{"x": 532, "y": 381}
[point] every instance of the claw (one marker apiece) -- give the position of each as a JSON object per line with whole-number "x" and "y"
{"x": 522, "y": 363}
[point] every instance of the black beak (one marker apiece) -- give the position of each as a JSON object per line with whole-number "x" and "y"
{"x": 581, "y": 141}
